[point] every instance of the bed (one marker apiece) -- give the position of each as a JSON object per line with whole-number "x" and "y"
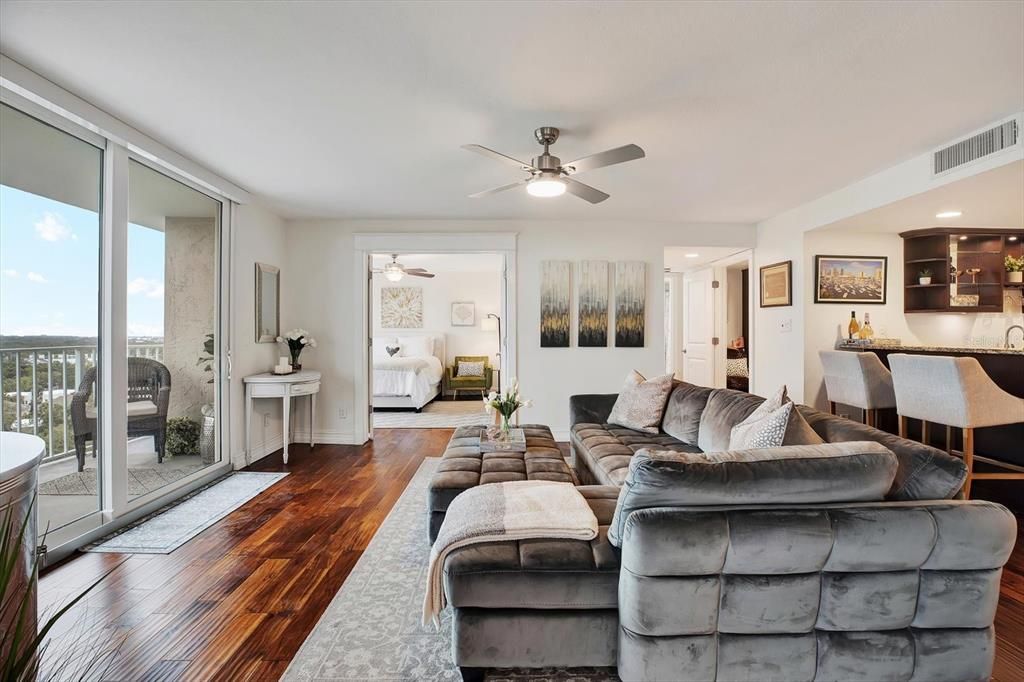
{"x": 411, "y": 377}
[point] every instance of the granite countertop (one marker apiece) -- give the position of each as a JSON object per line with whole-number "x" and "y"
{"x": 846, "y": 345}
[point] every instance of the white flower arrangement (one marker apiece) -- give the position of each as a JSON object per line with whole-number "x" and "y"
{"x": 297, "y": 339}
{"x": 506, "y": 404}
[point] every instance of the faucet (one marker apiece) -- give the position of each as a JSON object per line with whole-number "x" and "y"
{"x": 1006, "y": 343}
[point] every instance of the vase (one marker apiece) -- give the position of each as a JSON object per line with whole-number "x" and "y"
{"x": 296, "y": 365}
{"x": 505, "y": 427}
{"x": 1015, "y": 277}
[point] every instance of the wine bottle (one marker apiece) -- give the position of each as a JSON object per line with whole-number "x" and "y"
{"x": 866, "y": 332}
{"x": 854, "y": 327}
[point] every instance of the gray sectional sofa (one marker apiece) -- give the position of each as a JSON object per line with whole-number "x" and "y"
{"x": 848, "y": 560}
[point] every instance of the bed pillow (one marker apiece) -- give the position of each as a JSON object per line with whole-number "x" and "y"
{"x": 382, "y": 347}
{"x": 470, "y": 369}
{"x": 641, "y": 402}
{"x": 416, "y": 346}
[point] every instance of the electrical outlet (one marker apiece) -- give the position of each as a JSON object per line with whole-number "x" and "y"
{"x": 342, "y": 413}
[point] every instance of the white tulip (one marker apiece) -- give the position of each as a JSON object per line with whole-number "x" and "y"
{"x": 280, "y": 339}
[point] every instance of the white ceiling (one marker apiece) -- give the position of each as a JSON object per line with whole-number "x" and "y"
{"x": 676, "y": 258}
{"x": 446, "y": 262}
{"x": 358, "y": 109}
{"x": 991, "y": 199}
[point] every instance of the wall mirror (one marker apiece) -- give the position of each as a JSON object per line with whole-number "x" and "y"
{"x": 268, "y": 303}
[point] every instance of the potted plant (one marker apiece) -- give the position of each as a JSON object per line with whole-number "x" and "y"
{"x": 297, "y": 340}
{"x": 1014, "y": 269}
{"x": 925, "y": 276}
{"x": 506, "y": 405}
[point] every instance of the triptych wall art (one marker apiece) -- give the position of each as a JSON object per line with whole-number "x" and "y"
{"x": 592, "y": 304}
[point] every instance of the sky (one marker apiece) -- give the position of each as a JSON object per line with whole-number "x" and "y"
{"x": 49, "y": 270}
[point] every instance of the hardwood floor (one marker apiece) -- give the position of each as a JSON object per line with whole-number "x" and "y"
{"x": 237, "y": 602}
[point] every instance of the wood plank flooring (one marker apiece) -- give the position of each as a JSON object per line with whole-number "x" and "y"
{"x": 236, "y": 602}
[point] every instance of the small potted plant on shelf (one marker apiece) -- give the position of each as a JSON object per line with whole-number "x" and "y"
{"x": 297, "y": 340}
{"x": 1014, "y": 269}
{"x": 925, "y": 276}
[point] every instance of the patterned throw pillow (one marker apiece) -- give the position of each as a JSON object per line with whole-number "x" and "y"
{"x": 392, "y": 350}
{"x": 797, "y": 430}
{"x": 737, "y": 367}
{"x": 761, "y": 431}
{"x": 641, "y": 403}
{"x": 470, "y": 369}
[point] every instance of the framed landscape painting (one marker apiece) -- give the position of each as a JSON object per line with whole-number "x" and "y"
{"x": 777, "y": 284}
{"x": 850, "y": 279}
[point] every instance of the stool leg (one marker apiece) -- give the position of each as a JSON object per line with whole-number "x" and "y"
{"x": 903, "y": 426}
{"x": 831, "y": 407}
{"x": 924, "y": 431}
{"x": 949, "y": 440}
{"x": 968, "y": 460}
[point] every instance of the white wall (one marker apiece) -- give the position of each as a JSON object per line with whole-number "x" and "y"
{"x": 481, "y": 288}
{"x": 259, "y": 236}
{"x": 825, "y": 323}
{"x": 319, "y": 297}
{"x": 778, "y": 349}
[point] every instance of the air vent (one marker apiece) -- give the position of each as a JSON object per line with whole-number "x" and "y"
{"x": 976, "y": 147}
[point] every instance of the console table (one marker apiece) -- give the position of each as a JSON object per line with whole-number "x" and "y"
{"x": 283, "y": 387}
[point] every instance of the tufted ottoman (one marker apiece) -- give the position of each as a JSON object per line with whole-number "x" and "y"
{"x": 463, "y": 466}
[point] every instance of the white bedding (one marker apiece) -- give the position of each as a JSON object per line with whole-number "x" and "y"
{"x": 401, "y": 376}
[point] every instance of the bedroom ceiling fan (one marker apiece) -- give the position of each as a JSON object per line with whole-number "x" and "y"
{"x": 394, "y": 270}
{"x": 549, "y": 177}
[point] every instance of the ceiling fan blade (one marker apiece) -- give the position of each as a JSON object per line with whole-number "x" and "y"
{"x": 419, "y": 274}
{"x": 498, "y": 156}
{"x": 495, "y": 190}
{"x": 412, "y": 270}
{"x": 591, "y": 194}
{"x": 609, "y": 157}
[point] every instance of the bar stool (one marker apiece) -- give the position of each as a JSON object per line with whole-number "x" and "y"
{"x": 859, "y": 380}
{"x": 955, "y": 392}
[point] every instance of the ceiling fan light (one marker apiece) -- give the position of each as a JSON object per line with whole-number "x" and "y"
{"x": 545, "y": 187}
{"x": 394, "y": 272}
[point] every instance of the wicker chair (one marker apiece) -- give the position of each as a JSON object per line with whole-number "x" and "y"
{"x": 149, "y": 394}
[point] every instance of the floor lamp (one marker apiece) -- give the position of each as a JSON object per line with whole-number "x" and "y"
{"x": 487, "y": 325}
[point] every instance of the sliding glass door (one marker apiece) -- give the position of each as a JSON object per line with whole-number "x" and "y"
{"x": 50, "y": 199}
{"x": 112, "y": 277}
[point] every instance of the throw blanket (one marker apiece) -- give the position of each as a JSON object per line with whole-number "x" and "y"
{"x": 495, "y": 512}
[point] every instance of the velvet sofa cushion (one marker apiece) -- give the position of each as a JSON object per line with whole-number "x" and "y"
{"x": 725, "y": 409}
{"x": 924, "y": 473}
{"x": 605, "y": 450}
{"x": 797, "y": 474}
{"x": 683, "y": 412}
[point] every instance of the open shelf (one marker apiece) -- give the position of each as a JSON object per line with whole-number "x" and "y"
{"x": 924, "y": 286}
{"x": 926, "y": 260}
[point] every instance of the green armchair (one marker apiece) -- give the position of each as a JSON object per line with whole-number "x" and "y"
{"x": 454, "y": 383}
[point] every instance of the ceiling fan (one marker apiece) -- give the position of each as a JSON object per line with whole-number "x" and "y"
{"x": 549, "y": 177}
{"x": 394, "y": 270}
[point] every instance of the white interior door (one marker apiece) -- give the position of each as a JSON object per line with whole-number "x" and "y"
{"x": 698, "y": 328}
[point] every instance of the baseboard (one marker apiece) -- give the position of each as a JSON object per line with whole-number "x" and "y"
{"x": 327, "y": 437}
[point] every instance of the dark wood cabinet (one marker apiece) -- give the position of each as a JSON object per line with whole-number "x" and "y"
{"x": 965, "y": 265}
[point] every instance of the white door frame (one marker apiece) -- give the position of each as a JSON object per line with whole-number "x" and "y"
{"x": 721, "y": 323}
{"x": 365, "y": 244}
{"x": 675, "y": 322}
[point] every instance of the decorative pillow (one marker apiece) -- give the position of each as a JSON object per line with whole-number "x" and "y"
{"x": 761, "y": 430}
{"x": 641, "y": 403}
{"x": 798, "y": 431}
{"x": 469, "y": 369}
{"x": 737, "y": 367}
{"x": 416, "y": 346}
{"x": 392, "y": 350}
{"x": 381, "y": 345}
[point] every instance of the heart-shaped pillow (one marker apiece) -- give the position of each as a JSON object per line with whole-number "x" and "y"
{"x": 392, "y": 350}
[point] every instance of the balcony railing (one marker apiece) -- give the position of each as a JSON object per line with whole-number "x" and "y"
{"x": 53, "y": 375}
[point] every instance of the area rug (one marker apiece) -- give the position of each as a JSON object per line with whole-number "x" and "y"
{"x": 140, "y": 481}
{"x": 372, "y": 631}
{"x": 440, "y": 414}
{"x": 170, "y": 527}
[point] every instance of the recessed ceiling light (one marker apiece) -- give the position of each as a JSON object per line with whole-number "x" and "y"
{"x": 692, "y": 255}
{"x": 963, "y": 237}
{"x": 1012, "y": 238}
{"x": 949, "y": 214}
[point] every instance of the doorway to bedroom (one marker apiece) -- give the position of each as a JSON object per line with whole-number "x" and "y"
{"x": 436, "y": 325}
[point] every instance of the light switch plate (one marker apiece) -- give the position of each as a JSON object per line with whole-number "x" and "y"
{"x": 786, "y": 326}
